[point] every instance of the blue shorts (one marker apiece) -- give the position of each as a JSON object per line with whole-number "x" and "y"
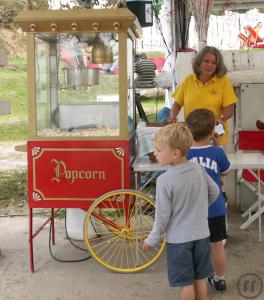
{"x": 188, "y": 262}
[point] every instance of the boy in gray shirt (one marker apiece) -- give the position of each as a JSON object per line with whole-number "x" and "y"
{"x": 183, "y": 194}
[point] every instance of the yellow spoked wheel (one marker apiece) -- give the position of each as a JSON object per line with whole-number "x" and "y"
{"x": 121, "y": 219}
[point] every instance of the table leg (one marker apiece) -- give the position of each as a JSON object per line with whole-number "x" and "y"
{"x": 259, "y": 205}
{"x": 252, "y": 216}
{"x": 237, "y": 189}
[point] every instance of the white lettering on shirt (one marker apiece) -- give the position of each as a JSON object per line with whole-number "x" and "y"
{"x": 206, "y": 162}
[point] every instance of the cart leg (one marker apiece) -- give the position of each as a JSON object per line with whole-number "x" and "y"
{"x": 52, "y": 226}
{"x": 31, "y": 256}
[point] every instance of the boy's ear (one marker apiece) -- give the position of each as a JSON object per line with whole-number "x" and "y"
{"x": 177, "y": 153}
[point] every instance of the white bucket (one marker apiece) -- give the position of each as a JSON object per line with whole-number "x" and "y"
{"x": 75, "y": 218}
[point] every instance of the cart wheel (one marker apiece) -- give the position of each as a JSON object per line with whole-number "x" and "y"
{"x": 122, "y": 219}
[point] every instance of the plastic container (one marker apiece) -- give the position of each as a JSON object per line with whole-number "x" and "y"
{"x": 74, "y": 223}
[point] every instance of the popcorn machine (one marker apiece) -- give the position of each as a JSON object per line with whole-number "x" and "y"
{"x": 82, "y": 128}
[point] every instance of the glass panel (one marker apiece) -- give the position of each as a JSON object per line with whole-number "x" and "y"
{"x": 43, "y": 85}
{"x": 77, "y": 76}
{"x": 130, "y": 84}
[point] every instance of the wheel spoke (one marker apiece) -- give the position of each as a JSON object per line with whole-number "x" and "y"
{"x": 122, "y": 219}
{"x": 104, "y": 244}
{"x": 110, "y": 247}
{"x": 139, "y": 250}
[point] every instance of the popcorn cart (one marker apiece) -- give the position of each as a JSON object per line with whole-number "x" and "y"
{"x": 82, "y": 139}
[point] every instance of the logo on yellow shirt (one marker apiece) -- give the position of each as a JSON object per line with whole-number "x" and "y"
{"x": 214, "y": 92}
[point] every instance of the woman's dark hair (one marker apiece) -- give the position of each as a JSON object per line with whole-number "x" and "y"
{"x": 201, "y": 123}
{"x": 221, "y": 68}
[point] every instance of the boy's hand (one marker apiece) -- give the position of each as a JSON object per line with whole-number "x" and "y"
{"x": 146, "y": 246}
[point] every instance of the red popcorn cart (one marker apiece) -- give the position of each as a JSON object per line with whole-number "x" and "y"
{"x": 82, "y": 136}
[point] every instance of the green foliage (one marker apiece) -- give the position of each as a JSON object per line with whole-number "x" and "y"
{"x": 242, "y": 10}
{"x": 10, "y": 9}
{"x": 35, "y": 4}
{"x": 14, "y": 90}
{"x": 157, "y": 6}
{"x": 13, "y": 186}
{"x": 151, "y": 107}
{"x": 14, "y": 131}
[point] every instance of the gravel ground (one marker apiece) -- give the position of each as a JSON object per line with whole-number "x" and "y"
{"x": 10, "y": 159}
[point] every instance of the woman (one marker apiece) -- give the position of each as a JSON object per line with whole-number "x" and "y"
{"x": 208, "y": 87}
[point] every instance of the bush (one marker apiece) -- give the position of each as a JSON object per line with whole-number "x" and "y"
{"x": 10, "y": 9}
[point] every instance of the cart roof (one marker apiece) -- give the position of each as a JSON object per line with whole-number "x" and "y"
{"x": 65, "y": 20}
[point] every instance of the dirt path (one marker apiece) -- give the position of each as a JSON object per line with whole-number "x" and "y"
{"x": 10, "y": 159}
{"x": 88, "y": 280}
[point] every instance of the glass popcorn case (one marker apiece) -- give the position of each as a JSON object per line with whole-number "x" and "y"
{"x": 77, "y": 84}
{"x": 80, "y": 73}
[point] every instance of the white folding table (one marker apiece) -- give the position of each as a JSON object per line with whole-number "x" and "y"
{"x": 253, "y": 162}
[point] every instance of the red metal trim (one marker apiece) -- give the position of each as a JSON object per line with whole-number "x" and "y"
{"x": 108, "y": 222}
{"x": 45, "y": 223}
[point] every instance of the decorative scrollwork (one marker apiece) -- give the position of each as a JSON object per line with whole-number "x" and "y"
{"x": 35, "y": 151}
{"x": 36, "y": 196}
{"x": 120, "y": 152}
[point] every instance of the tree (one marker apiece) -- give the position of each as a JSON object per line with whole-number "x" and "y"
{"x": 10, "y": 8}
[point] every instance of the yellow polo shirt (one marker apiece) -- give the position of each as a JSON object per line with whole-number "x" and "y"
{"x": 214, "y": 95}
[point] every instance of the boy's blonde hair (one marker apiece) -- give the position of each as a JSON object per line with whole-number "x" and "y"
{"x": 176, "y": 135}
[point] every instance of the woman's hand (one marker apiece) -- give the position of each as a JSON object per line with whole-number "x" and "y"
{"x": 175, "y": 109}
{"x": 227, "y": 113}
{"x": 220, "y": 120}
{"x": 217, "y": 139}
{"x": 172, "y": 118}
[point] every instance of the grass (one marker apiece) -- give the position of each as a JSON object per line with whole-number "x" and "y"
{"x": 151, "y": 107}
{"x": 13, "y": 187}
{"x": 14, "y": 88}
{"x": 13, "y": 79}
{"x": 14, "y": 131}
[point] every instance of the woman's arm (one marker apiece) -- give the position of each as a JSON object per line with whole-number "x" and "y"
{"x": 175, "y": 109}
{"x": 226, "y": 114}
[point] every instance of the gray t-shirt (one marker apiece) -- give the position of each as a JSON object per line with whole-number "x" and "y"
{"x": 183, "y": 195}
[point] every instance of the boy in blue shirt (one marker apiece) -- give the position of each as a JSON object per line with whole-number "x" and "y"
{"x": 201, "y": 123}
{"x": 183, "y": 194}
